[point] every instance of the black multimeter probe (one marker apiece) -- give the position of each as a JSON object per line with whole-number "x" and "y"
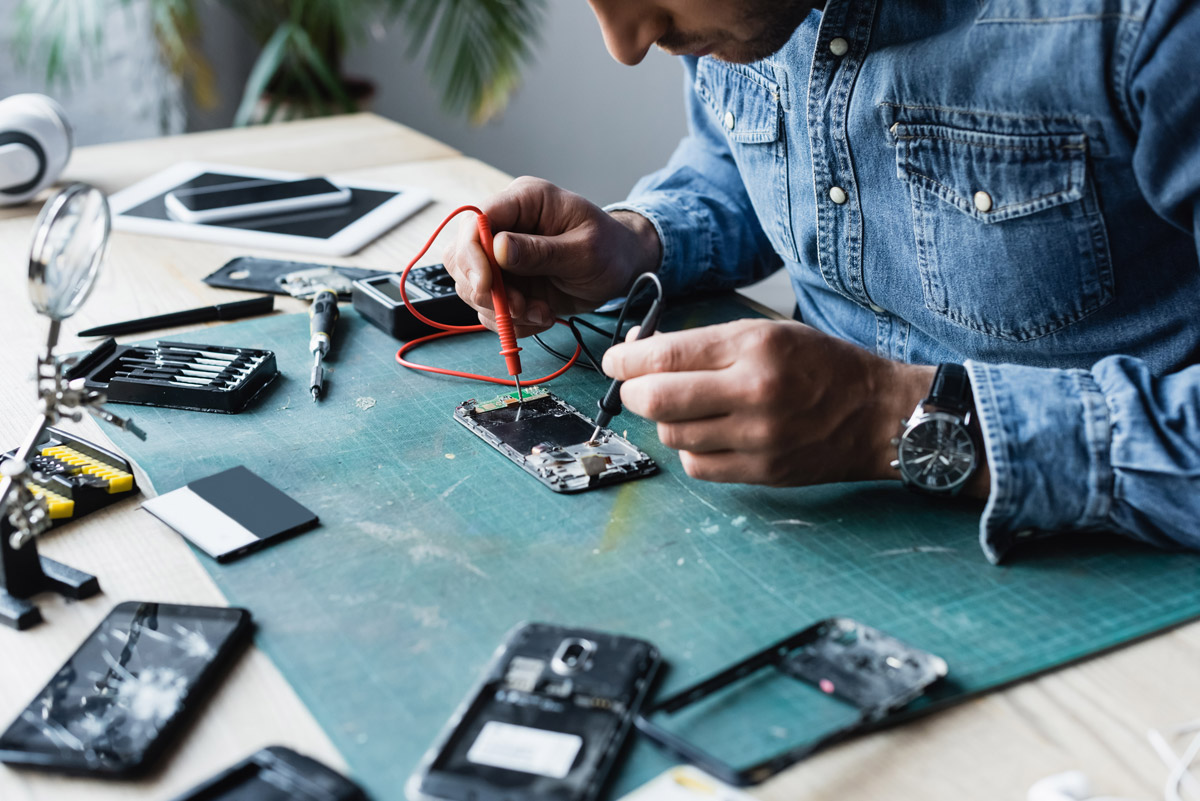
{"x": 610, "y": 404}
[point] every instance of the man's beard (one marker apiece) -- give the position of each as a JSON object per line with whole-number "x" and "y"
{"x": 775, "y": 20}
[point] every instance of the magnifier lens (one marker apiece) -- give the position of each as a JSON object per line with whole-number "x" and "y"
{"x": 68, "y": 247}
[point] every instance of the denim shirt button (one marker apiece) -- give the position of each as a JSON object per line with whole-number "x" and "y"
{"x": 837, "y": 195}
{"x": 877, "y": 308}
{"x": 839, "y": 46}
{"x": 983, "y": 201}
{"x": 729, "y": 120}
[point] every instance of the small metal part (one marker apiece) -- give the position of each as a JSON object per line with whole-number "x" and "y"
{"x": 318, "y": 376}
{"x": 593, "y": 464}
{"x": 595, "y": 438}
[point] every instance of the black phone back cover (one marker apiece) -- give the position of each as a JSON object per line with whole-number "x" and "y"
{"x": 547, "y": 721}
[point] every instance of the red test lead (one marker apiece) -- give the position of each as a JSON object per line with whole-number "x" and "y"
{"x": 504, "y": 327}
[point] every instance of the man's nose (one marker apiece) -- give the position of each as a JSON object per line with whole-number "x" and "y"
{"x": 629, "y": 27}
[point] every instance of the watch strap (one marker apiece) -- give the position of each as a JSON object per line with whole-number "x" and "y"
{"x": 951, "y": 389}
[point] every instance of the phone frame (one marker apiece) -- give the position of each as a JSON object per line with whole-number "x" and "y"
{"x": 197, "y": 694}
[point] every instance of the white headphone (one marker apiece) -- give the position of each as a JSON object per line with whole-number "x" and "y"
{"x": 35, "y": 144}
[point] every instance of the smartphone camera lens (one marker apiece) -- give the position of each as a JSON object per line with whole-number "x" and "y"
{"x": 573, "y": 656}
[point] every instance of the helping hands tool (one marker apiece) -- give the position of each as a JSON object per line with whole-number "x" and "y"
{"x": 323, "y": 313}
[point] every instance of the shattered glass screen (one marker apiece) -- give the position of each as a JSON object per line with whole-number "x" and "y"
{"x": 129, "y": 679}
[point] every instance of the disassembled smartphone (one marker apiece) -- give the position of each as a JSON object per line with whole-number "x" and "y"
{"x": 114, "y": 704}
{"x": 547, "y": 721}
{"x": 551, "y": 440}
{"x": 277, "y": 773}
{"x": 873, "y": 672}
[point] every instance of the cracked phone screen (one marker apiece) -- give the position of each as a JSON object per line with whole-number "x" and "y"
{"x": 125, "y": 685}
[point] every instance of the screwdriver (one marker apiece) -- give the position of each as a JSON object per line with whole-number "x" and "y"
{"x": 610, "y": 404}
{"x": 322, "y": 315}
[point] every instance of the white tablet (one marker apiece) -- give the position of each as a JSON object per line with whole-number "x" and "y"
{"x": 334, "y": 231}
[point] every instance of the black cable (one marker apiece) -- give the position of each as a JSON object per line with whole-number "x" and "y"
{"x": 615, "y": 336}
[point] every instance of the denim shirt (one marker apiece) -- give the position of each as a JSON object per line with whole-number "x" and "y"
{"x": 1013, "y": 184}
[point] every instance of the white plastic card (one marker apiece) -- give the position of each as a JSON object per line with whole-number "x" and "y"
{"x": 685, "y": 783}
{"x": 521, "y": 748}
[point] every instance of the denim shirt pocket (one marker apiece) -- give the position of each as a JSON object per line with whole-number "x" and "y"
{"x": 1010, "y": 239}
{"x": 746, "y": 106}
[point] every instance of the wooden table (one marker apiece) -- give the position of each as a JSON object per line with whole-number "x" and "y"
{"x": 1092, "y": 716}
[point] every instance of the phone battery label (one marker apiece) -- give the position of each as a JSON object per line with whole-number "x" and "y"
{"x": 505, "y": 745}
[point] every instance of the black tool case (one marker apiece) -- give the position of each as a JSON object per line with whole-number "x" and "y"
{"x": 177, "y": 375}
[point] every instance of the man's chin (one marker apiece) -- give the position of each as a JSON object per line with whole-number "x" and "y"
{"x": 744, "y": 52}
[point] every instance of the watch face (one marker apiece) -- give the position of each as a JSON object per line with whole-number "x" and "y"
{"x": 937, "y": 453}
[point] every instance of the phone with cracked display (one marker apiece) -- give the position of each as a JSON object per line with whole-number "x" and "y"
{"x": 547, "y": 720}
{"x": 116, "y": 703}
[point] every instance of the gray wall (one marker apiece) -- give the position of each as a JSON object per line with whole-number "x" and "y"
{"x": 580, "y": 119}
{"x": 120, "y": 92}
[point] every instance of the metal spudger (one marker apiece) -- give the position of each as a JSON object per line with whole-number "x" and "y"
{"x": 322, "y": 315}
{"x": 610, "y": 404}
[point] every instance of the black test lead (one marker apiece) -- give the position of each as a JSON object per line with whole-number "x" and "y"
{"x": 610, "y": 404}
{"x": 322, "y": 314}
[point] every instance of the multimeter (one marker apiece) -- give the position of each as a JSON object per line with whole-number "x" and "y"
{"x": 430, "y": 289}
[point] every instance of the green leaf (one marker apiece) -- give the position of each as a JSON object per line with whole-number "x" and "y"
{"x": 324, "y": 72}
{"x": 265, "y": 67}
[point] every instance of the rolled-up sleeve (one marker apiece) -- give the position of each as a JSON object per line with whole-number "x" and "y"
{"x": 1110, "y": 449}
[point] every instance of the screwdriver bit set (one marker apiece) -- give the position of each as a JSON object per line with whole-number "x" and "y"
{"x": 73, "y": 476}
{"x": 177, "y": 375}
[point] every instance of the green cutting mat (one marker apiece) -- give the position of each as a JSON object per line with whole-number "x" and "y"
{"x": 432, "y": 546}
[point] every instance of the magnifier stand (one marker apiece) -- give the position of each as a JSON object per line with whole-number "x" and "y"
{"x": 23, "y": 572}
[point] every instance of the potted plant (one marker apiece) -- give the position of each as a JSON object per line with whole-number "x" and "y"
{"x": 476, "y": 48}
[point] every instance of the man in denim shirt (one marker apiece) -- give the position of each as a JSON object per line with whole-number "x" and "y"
{"x": 1013, "y": 185}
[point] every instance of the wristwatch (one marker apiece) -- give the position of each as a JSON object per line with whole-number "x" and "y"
{"x": 936, "y": 452}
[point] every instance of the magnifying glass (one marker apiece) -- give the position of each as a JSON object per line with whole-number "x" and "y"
{"x": 69, "y": 242}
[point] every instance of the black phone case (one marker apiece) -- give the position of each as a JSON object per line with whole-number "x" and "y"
{"x": 197, "y": 694}
{"x": 280, "y": 769}
{"x": 255, "y": 274}
{"x": 522, "y": 686}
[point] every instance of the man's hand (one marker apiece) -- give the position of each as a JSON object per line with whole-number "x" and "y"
{"x": 767, "y": 402}
{"x": 561, "y": 254}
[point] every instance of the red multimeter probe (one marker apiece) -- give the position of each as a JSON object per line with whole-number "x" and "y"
{"x": 508, "y": 340}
